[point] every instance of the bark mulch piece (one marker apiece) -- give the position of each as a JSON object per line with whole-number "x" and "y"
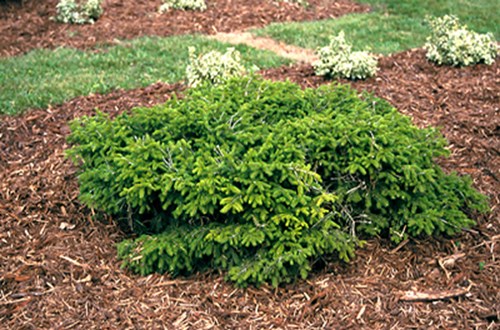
{"x": 26, "y": 25}
{"x": 58, "y": 266}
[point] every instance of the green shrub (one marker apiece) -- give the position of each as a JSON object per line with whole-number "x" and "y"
{"x": 78, "y": 12}
{"x": 453, "y": 44}
{"x": 213, "y": 67}
{"x": 183, "y": 4}
{"x": 338, "y": 60}
{"x": 261, "y": 178}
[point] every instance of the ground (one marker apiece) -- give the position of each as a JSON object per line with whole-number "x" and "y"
{"x": 58, "y": 266}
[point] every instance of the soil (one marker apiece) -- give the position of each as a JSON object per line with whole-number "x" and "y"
{"x": 27, "y": 25}
{"x": 58, "y": 266}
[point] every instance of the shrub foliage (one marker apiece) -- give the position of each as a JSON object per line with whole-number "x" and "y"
{"x": 338, "y": 60}
{"x": 261, "y": 178}
{"x": 453, "y": 44}
{"x": 78, "y": 11}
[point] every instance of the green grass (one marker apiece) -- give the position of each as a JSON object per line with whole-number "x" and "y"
{"x": 380, "y": 33}
{"x": 395, "y": 25}
{"x": 44, "y": 77}
{"x": 480, "y": 15}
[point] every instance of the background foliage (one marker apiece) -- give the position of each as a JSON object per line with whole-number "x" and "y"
{"x": 214, "y": 66}
{"x": 452, "y": 43}
{"x": 338, "y": 60}
{"x": 78, "y": 11}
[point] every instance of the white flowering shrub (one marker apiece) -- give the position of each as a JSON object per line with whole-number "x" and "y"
{"x": 451, "y": 43}
{"x": 183, "y": 4}
{"x": 303, "y": 3}
{"x": 338, "y": 60}
{"x": 78, "y": 12}
{"x": 213, "y": 66}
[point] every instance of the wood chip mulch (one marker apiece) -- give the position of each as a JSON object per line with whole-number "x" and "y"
{"x": 58, "y": 266}
{"x": 27, "y": 25}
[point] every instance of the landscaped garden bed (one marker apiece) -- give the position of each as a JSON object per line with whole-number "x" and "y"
{"x": 58, "y": 263}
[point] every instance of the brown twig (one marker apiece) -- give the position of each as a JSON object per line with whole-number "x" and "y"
{"x": 413, "y": 296}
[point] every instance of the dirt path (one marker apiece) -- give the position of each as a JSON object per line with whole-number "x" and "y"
{"x": 287, "y": 51}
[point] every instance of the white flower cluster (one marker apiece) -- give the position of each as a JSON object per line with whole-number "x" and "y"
{"x": 183, "y": 4}
{"x": 303, "y": 3}
{"x": 453, "y": 44}
{"x": 213, "y": 66}
{"x": 338, "y": 60}
{"x": 78, "y": 12}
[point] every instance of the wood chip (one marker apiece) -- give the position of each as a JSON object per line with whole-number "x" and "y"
{"x": 412, "y": 296}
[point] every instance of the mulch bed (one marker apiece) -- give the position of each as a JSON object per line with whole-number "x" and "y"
{"x": 58, "y": 266}
{"x": 27, "y": 25}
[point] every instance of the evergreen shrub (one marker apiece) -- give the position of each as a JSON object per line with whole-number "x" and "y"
{"x": 78, "y": 11}
{"x": 451, "y": 43}
{"x": 338, "y": 60}
{"x": 261, "y": 178}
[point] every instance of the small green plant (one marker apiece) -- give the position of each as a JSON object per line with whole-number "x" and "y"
{"x": 482, "y": 265}
{"x": 338, "y": 60}
{"x": 213, "y": 66}
{"x": 183, "y": 4}
{"x": 453, "y": 44}
{"x": 78, "y": 11}
{"x": 262, "y": 178}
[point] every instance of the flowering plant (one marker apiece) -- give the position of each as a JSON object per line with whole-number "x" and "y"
{"x": 78, "y": 12}
{"x": 213, "y": 66}
{"x": 451, "y": 43}
{"x": 338, "y": 60}
{"x": 183, "y": 4}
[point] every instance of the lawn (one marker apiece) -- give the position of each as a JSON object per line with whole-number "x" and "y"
{"x": 392, "y": 27}
{"x": 44, "y": 77}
